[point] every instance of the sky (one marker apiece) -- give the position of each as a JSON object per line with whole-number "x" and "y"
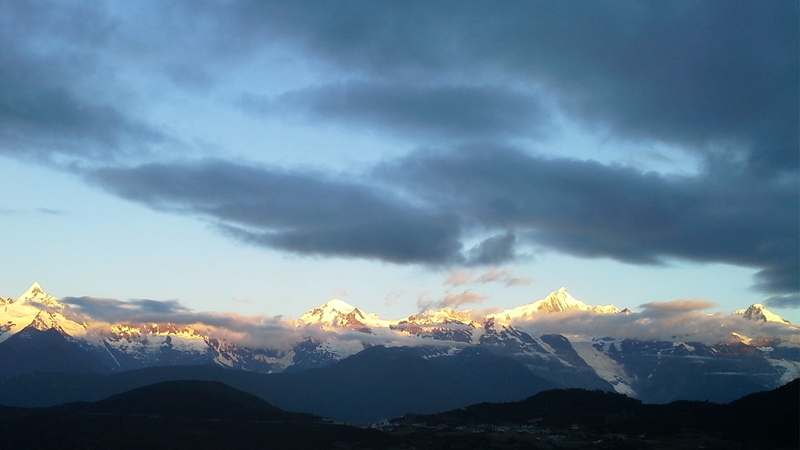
{"x": 261, "y": 158}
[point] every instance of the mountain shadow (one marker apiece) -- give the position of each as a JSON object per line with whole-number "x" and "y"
{"x": 384, "y": 382}
{"x": 178, "y": 415}
{"x": 764, "y": 420}
{"x": 377, "y": 383}
{"x": 32, "y": 350}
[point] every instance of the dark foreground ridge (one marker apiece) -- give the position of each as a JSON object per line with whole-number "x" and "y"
{"x": 375, "y": 384}
{"x": 207, "y": 414}
{"x": 577, "y": 417}
{"x": 179, "y": 415}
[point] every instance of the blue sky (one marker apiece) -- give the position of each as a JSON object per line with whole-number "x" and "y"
{"x": 264, "y": 157}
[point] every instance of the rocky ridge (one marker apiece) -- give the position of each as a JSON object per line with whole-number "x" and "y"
{"x": 331, "y": 333}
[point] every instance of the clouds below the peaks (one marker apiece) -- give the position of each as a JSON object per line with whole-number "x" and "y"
{"x": 678, "y": 320}
{"x": 663, "y": 324}
{"x": 262, "y": 331}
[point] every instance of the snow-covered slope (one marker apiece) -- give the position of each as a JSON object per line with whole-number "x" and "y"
{"x": 336, "y": 330}
{"x": 38, "y": 309}
{"x": 336, "y": 314}
{"x": 758, "y": 311}
{"x": 557, "y": 301}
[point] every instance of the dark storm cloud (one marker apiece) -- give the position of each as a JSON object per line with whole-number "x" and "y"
{"x": 460, "y": 112}
{"x": 708, "y": 75}
{"x": 718, "y": 78}
{"x": 45, "y": 52}
{"x": 783, "y": 301}
{"x": 715, "y": 76}
{"x": 300, "y": 212}
{"x": 43, "y": 120}
{"x": 494, "y": 250}
{"x": 594, "y": 210}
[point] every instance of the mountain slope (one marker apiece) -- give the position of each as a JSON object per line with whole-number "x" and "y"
{"x": 33, "y": 350}
{"x": 557, "y": 301}
{"x": 180, "y": 414}
{"x": 760, "y": 312}
{"x": 378, "y": 383}
{"x": 765, "y": 420}
{"x": 652, "y": 371}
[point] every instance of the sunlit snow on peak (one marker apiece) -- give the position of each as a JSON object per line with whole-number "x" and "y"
{"x": 557, "y": 301}
{"x": 758, "y": 311}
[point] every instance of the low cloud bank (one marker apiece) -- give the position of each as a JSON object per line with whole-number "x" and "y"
{"x": 679, "y": 320}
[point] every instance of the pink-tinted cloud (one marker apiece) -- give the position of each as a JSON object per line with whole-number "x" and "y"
{"x": 460, "y": 278}
{"x": 494, "y": 275}
{"x": 464, "y": 298}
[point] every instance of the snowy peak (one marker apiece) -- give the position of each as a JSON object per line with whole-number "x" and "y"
{"x": 555, "y": 302}
{"x": 38, "y": 309}
{"x": 35, "y": 294}
{"x": 329, "y": 313}
{"x": 441, "y": 316}
{"x": 339, "y": 314}
{"x": 760, "y": 312}
{"x": 558, "y": 301}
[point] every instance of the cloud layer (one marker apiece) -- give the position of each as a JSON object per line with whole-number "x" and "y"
{"x": 678, "y": 320}
{"x": 475, "y": 93}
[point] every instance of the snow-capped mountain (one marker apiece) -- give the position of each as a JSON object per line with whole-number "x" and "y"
{"x": 38, "y": 309}
{"x": 336, "y": 314}
{"x": 557, "y": 301}
{"x": 336, "y": 330}
{"x": 758, "y": 311}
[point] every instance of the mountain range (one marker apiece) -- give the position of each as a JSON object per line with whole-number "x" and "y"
{"x": 436, "y": 359}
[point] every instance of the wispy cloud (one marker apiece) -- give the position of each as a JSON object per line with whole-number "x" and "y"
{"x": 462, "y": 277}
{"x": 392, "y": 297}
{"x": 51, "y": 212}
{"x": 505, "y": 276}
{"x": 450, "y": 300}
{"x": 464, "y": 298}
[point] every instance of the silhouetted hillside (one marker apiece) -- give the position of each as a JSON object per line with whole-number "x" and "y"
{"x": 32, "y": 350}
{"x": 767, "y": 420}
{"x": 378, "y": 383}
{"x": 178, "y": 415}
{"x": 202, "y": 414}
